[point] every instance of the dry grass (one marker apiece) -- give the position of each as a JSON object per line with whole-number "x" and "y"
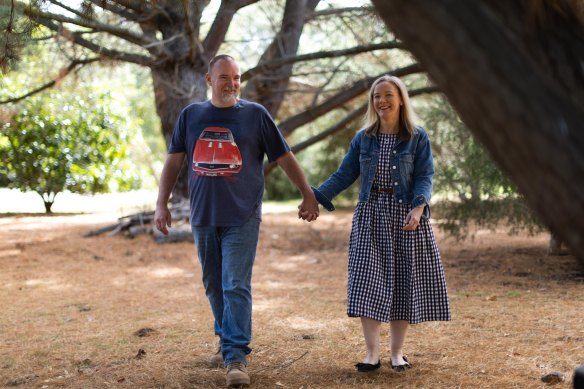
{"x": 70, "y": 308}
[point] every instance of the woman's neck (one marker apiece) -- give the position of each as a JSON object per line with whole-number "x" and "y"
{"x": 389, "y": 126}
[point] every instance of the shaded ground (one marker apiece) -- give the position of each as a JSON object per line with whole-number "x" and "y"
{"x": 71, "y": 309}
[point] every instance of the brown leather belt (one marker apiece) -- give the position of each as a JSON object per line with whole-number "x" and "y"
{"x": 382, "y": 190}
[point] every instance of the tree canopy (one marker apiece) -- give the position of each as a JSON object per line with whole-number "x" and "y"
{"x": 175, "y": 41}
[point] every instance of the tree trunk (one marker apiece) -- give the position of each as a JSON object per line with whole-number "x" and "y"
{"x": 555, "y": 245}
{"x": 174, "y": 89}
{"x": 48, "y": 206}
{"x": 269, "y": 89}
{"x": 499, "y": 65}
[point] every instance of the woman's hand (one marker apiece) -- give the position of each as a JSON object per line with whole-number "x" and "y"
{"x": 413, "y": 218}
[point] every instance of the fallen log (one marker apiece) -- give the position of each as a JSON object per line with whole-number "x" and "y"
{"x": 180, "y": 233}
{"x": 142, "y": 223}
{"x": 100, "y": 231}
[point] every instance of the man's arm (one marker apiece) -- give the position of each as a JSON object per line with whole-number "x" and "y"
{"x": 170, "y": 172}
{"x": 308, "y": 209}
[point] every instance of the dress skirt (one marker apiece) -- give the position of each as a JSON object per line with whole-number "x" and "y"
{"x": 394, "y": 274}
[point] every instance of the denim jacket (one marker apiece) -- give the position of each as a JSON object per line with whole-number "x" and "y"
{"x": 412, "y": 168}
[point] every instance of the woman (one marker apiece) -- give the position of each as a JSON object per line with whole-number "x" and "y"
{"x": 395, "y": 270}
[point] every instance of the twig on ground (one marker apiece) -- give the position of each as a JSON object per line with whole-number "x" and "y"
{"x": 281, "y": 365}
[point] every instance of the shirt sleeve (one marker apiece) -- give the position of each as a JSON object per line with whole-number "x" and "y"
{"x": 273, "y": 143}
{"x": 178, "y": 141}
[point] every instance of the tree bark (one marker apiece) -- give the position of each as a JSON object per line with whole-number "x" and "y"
{"x": 555, "y": 245}
{"x": 171, "y": 96}
{"x": 517, "y": 82}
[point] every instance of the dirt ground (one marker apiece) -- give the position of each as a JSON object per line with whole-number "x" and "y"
{"x": 113, "y": 312}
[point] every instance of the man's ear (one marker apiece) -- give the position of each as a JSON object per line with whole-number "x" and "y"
{"x": 208, "y": 78}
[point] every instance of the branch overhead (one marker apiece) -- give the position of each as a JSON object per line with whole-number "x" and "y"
{"x": 130, "y": 36}
{"x": 73, "y": 66}
{"x": 340, "y": 11}
{"x": 102, "y": 51}
{"x": 340, "y": 125}
{"x": 218, "y": 30}
{"x": 111, "y": 6}
{"x": 292, "y": 123}
{"x": 263, "y": 67}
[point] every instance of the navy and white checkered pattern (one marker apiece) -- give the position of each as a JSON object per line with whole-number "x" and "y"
{"x": 393, "y": 274}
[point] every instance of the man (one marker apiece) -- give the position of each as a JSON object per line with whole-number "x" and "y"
{"x": 225, "y": 140}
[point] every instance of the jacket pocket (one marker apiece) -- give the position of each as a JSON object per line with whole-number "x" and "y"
{"x": 406, "y": 167}
{"x": 364, "y": 169}
{"x": 365, "y": 164}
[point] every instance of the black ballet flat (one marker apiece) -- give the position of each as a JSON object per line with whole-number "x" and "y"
{"x": 402, "y": 367}
{"x": 367, "y": 367}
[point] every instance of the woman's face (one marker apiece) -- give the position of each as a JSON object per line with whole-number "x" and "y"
{"x": 386, "y": 100}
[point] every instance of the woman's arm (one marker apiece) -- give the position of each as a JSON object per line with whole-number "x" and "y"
{"x": 423, "y": 171}
{"x": 347, "y": 172}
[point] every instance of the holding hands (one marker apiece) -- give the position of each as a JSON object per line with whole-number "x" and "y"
{"x": 308, "y": 208}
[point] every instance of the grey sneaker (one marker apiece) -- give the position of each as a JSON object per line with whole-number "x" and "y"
{"x": 237, "y": 375}
{"x": 215, "y": 360}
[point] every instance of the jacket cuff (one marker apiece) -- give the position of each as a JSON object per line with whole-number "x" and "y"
{"x": 323, "y": 200}
{"x": 420, "y": 200}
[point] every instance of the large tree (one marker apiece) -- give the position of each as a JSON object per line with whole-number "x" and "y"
{"x": 513, "y": 71}
{"x": 170, "y": 38}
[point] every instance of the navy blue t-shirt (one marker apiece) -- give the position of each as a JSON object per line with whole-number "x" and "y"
{"x": 225, "y": 149}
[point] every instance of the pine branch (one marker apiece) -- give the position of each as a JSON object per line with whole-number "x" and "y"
{"x": 268, "y": 65}
{"x": 218, "y": 30}
{"x": 74, "y": 65}
{"x": 122, "y": 33}
{"x": 269, "y": 166}
{"x": 135, "y": 5}
{"x": 102, "y": 51}
{"x": 338, "y": 11}
{"x": 116, "y": 9}
{"x": 70, "y": 9}
{"x": 296, "y": 121}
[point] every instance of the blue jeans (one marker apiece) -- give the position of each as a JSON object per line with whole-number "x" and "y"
{"x": 227, "y": 255}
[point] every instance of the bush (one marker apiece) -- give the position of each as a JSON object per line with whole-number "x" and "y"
{"x": 54, "y": 142}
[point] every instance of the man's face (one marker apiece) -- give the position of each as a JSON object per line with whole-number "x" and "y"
{"x": 224, "y": 80}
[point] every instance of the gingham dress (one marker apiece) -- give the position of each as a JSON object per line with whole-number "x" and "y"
{"x": 393, "y": 274}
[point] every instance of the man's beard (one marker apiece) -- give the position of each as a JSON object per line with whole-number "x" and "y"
{"x": 229, "y": 96}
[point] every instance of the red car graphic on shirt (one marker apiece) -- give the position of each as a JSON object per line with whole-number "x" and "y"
{"x": 216, "y": 153}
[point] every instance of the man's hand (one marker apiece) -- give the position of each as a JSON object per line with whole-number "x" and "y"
{"x": 170, "y": 171}
{"x": 308, "y": 208}
{"x": 163, "y": 218}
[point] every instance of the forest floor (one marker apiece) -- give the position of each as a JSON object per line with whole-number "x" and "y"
{"x": 113, "y": 312}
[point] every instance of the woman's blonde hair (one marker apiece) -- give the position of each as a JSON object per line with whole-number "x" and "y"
{"x": 407, "y": 116}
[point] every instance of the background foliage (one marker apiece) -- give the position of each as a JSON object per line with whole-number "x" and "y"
{"x": 471, "y": 190}
{"x": 66, "y": 140}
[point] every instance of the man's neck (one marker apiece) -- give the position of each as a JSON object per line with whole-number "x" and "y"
{"x": 220, "y": 104}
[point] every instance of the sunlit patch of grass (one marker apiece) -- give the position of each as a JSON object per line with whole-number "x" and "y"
{"x": 513, "y": 294}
